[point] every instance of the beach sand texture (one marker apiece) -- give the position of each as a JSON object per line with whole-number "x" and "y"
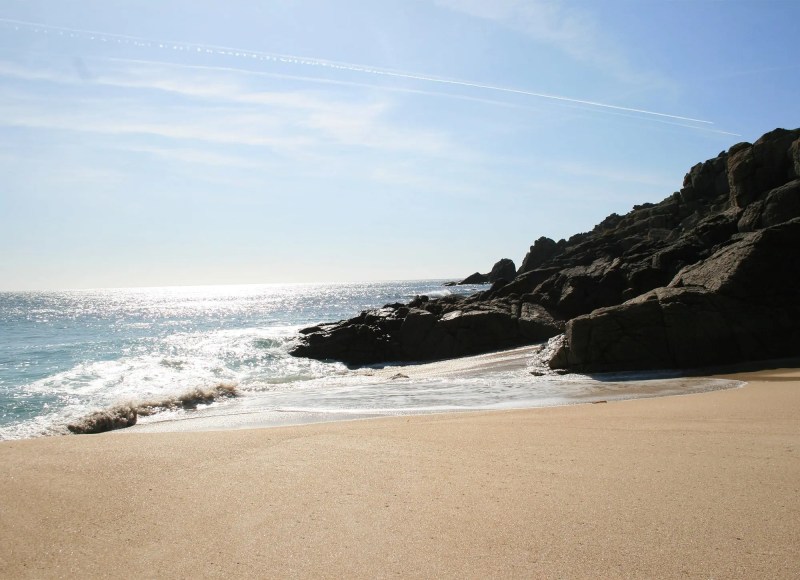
{"x": 697, "y": 486}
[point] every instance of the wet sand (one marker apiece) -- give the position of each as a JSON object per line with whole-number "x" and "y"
{"x": 698, "y": 486}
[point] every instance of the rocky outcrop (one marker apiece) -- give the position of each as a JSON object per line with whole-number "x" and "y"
{"x": 630, "y": 287}
{"x": 542, "y": 250}
{"x": 502, "y": 270}
{"x": 758, "y": 168}
{"x": 430, "y": 329}
{"x": 108, "y": 420}
{"x": 476, "y": 278}
{"x": 741, "y": 304}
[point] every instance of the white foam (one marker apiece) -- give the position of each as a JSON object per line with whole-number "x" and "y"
{"x": 493, "y": 381}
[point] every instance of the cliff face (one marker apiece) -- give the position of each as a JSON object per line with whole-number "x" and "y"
{"x": 729, "y": 289}
{"x": 645, "y": 273}
{"x": 625, "y": 256}
{"x": 742, "y": 303}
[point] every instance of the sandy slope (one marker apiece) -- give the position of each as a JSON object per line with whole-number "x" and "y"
{"x": 703, "y": 486}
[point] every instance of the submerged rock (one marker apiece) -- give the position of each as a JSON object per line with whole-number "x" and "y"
{"x": 122, "y": 416}
{"x": 108, "y": 420}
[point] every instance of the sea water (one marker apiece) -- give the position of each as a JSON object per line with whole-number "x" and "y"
{"x": 65, "y": 354}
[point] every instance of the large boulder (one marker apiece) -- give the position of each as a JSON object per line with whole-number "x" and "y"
{"x": 676, "y": 328}
{"x": 743, "y": 303}
{"x": 779, "y": 205}
{"x": 111, "y": 419}
{"x": 503, "y": 270}
{"x": 429, "y": 330}
{"x": 542, "y": 250}
{"x": 756, "y": 169}
{"x": 706, "y": 181}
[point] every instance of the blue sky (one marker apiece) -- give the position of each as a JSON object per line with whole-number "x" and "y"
{"x": 178, "y": 142}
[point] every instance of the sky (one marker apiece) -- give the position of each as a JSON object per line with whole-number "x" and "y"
{"x": 189, "y": 142}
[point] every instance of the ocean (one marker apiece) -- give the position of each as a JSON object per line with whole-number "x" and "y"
{"x": 67, "y": 354}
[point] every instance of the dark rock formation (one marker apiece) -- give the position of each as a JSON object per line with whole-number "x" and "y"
{"x": 756, "y": 169}
{"x": 122, "y": 416}
{"x": 740, "y": 303}
{"x": 476, "y": 278}
{"x": 430, "y": 329}
{"x": 502, "y": 270}
{"x": 542, "y": 250}
{"x": 633, "y": 286}
{"x": 108, "y": 420}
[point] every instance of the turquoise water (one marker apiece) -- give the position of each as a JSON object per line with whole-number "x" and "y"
{"x": 66, "y": 354}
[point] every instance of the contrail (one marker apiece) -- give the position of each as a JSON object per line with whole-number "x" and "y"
{"x": 401, "y": 89}
{"x": 318, "y": 62}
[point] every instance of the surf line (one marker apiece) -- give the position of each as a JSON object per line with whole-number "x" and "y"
{"x": 143, "y": 42}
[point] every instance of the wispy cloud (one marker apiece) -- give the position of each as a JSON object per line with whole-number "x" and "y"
{"x": 207, "y": 89}
{"x": 210, "y": 106}
{"x": 221, "y": 126}
{"x": 564, "y": 26}
{"x": 568, "y": 29}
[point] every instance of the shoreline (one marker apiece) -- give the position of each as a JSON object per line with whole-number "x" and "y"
{"x": 291, "y": 418}
{"x": 700, "y": 486}
{"x": 544, "y": 391}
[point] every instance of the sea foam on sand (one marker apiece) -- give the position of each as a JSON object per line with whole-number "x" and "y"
{"x": 516, "y": 378}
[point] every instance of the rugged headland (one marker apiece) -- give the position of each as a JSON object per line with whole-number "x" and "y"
{"x": 710, "y": 275}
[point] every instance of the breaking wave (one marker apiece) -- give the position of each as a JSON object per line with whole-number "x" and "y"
{"x": 126, "y": 415}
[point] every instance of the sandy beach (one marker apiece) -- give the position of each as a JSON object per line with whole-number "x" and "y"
{"x": 699, "y": 486}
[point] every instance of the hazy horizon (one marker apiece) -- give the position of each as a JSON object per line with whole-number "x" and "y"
{"x": 231, "y": 285}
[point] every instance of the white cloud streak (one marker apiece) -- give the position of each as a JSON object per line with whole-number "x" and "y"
{"x": 567, "y": 31}
{"x": 204, "y": 89}
{"x": 213, "y": 109}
